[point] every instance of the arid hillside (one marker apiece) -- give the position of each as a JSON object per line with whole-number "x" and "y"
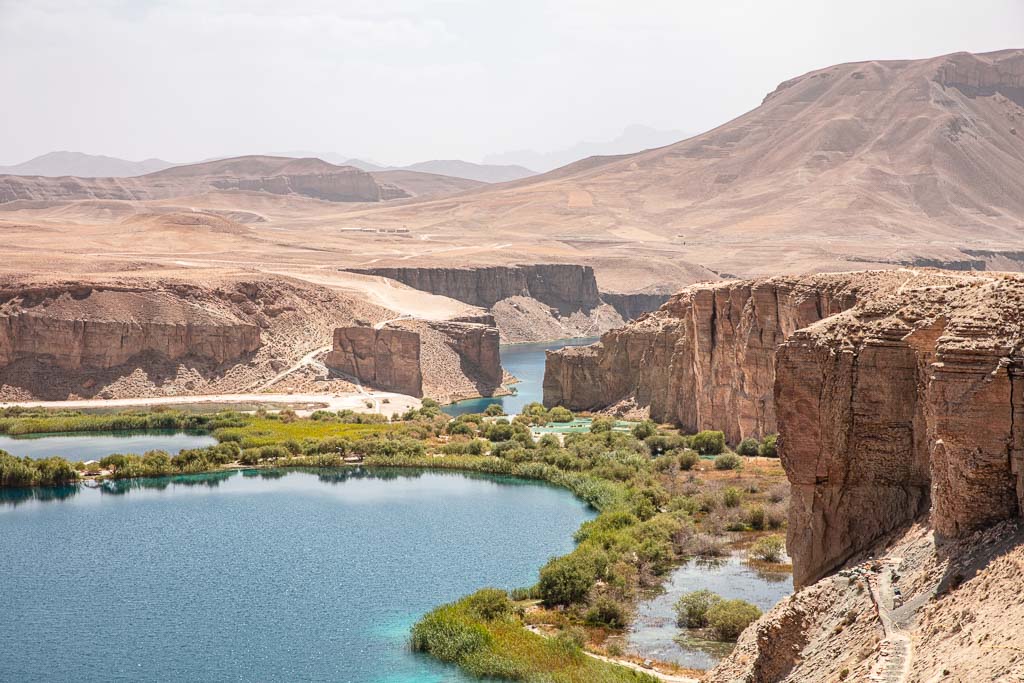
{"x": 894, "y": 162}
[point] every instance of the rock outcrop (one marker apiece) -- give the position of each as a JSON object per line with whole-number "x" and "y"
{"x": 386, "y": 359}
{"x": 632, "y": 306}
{"x": 705, "y": 360}
{"x": 90, "y": 329}
{"x": 562, "y": 286}
{"x": 445, "y": 360}
{"x": 894, "y": 394}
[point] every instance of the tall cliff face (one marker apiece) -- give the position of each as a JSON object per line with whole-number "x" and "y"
{"x": 894, "y": 394}
{"x": 566, "y": 287}
{"x": 386, "y": 359}
{"x": 705, "y": 360}
{"x": 102, "y": 329}
{"x": 444, "y": 360}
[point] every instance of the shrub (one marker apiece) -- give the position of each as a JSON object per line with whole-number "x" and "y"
{"x": 607, "y": 611}
{"x": 644, "y": 429}
{"x": 756, "y": 517}
{"x": 748, "y": 447}
{"x": 731, "y": 496}
{"x": 566, "y": 580}
{"x": 728, "y": 461}
{"x": 728, "y": 618}
{"x": 494, "y": 410}
{"x": 768, "y": 549}
{"x": 560, "y": 414}
{"x": 600, "y": 425}
{"x": 769, "y": 447}
{"x": 489, "y": 604}
{"x": 775, "y": 516}
{"x": 692, "y": 608}
{"x": 708, "y": 442}
{"x": 688, "y": 460}
{"x": 549, "y": 441}
{"x": 499, "y": 431}
{"x": 778, "y": 493}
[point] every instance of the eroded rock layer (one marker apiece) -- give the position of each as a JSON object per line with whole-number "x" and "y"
{"x": 445, "y": 360}
{"x": 893, "y": 393}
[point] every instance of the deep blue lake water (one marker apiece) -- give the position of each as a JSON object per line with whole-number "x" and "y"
{"x": 526, "y": 362}
{"x": 270, "y": 576}
{"x": 83, "y": 446}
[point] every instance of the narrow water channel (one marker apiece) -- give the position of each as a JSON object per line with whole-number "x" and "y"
{"x": 526, "y": 362}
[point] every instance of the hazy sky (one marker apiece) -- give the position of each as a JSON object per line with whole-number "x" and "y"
{"x": 406, "y": 80}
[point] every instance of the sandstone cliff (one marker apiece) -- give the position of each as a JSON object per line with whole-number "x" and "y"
{"x": 566, "y": 287}
{"x": 445, "y": 360}
{"x": 894, "y": 394}
{"x": 386, "y": 359}
{"x": 144, "y": 336}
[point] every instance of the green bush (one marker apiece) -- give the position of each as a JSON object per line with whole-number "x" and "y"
{"x": 769, "y": 447}
{"x": 756, "y": 517}
{"x": 566, "y": 580}
{"x": 728, "y": 618}
{"x": 768, "y": 549}
{"x": 692, "y": 608}
{"x": 731, "y": 496}
{"x": 645, "y": 429}
{"x": 708, "y": 442}
{"x": 447, "y": 635}
{"x": 749, "y": 447}
{"x": 607, "y": 611}
{"x": 728, "y": 461}
{"x": 560, "y": 414}
{"x": 688, "y": 460}
{"x": 489, "y": 604}
{"x": 494, "y": 410}
{"x": 600, "y": 425}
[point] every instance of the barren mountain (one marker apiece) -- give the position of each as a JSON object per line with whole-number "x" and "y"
{"x": 872, "y": 162}
{"x": 55, "y": 164}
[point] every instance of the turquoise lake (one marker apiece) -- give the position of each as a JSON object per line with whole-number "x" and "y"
{"x": 260, "y": 575}
{"x": 83, "y": 446}
{"x": 526, "y": 362}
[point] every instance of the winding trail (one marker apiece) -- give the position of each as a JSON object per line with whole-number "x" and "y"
{"x": 302, "y": 362}
{"x": 897, "y": 649}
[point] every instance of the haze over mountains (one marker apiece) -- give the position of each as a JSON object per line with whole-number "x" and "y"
{"x": 874, "y": 162}
{"x": 864, "y": 164}
{"x": 63, "y": 163}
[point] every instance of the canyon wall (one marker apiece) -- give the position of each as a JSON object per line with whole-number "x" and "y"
{"x": 386, "y": 359}
{"x": 894, "y": 394}
{"x": 632, "y": 306}
{"x": 705, "y": 360}
{"x": 565, "y": 287}
{"x": 106, "y": 329}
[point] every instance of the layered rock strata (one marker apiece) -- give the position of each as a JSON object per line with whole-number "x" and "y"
{"x": 385, "y": 359}
{"x": 894, "y": 394}
{"x": 444, "y": 360}
{"x": 566, "y": 287}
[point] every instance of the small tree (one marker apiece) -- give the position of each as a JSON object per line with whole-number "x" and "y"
{"x": 769, "y": 447}
{"x": 601, "y": 424}
{"x": 494, "y": 410}
{"x": 708, "y": 442}
{"x": 688, "y": 460}
{"x": 560, "y": 414}
{"x": 748, "y": 447}
{"x": 644, "y": 429}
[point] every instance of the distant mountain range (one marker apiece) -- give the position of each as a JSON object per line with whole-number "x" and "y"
{"x": 635, "y": 138}
{"x": 496, "y": 168}
{"x": 55, "y": 164}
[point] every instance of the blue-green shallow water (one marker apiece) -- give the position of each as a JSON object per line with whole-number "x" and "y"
{"x": 260, "y": 576}
{"x": 83, "y": 446}
{"x": 526, "y": 362}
